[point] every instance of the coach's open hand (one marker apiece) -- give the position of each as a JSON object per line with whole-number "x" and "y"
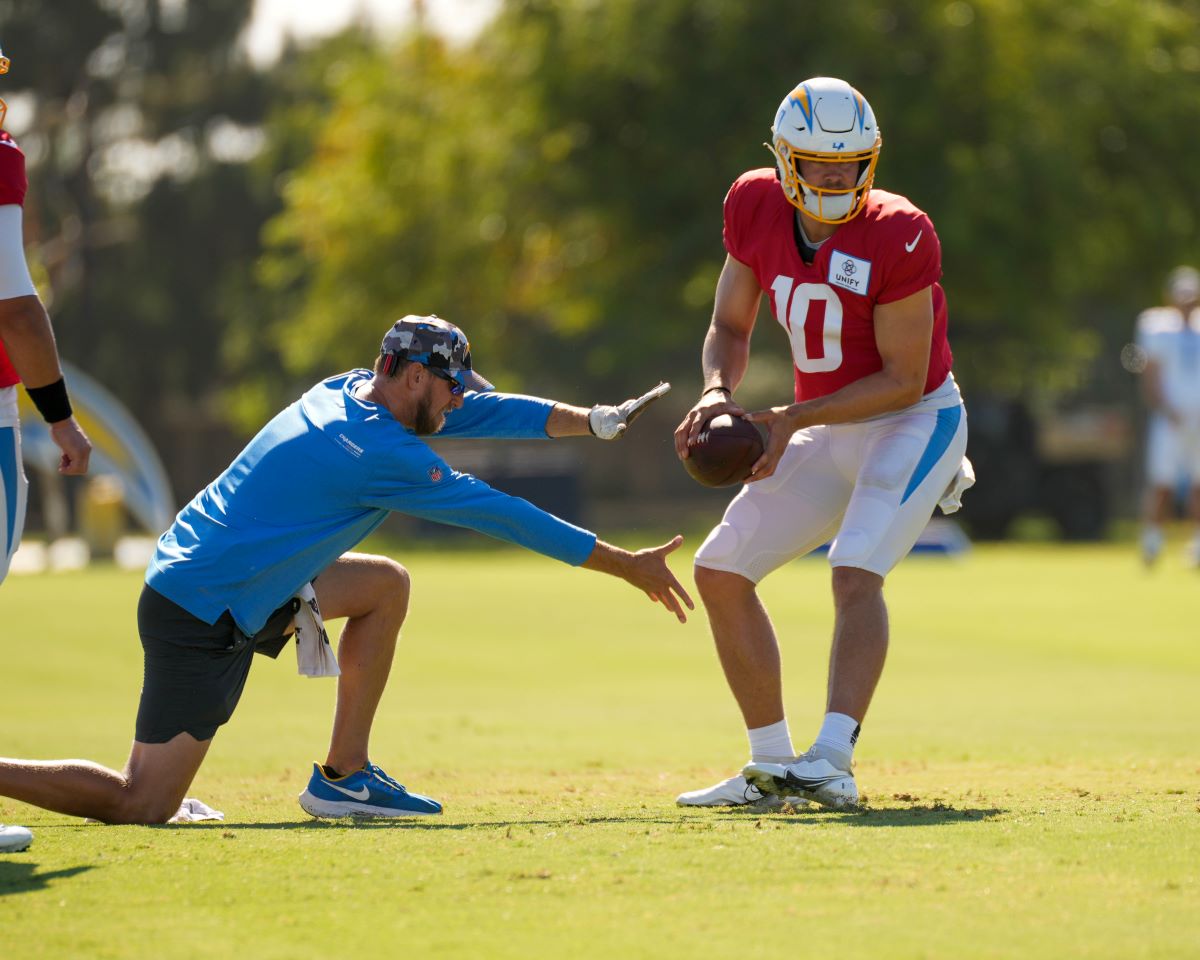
{"x": 647, "y": 570}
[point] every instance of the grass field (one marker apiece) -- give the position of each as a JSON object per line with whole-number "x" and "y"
{"x": 1031, "y": 766}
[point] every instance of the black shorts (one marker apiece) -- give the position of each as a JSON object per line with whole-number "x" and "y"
{"x": 195, "y": 672}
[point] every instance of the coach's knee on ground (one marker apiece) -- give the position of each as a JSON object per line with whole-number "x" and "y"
{"x": 140, "y": 806}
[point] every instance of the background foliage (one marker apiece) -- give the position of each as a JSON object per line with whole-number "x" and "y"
{"x": 555, "y": 186}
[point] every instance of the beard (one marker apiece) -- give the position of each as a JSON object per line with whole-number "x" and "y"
{"x": 426, "y": 422}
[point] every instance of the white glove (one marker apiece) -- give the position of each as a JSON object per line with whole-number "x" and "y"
{"x": 608, "y": 422}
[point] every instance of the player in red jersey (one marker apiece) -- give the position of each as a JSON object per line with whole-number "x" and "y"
{"x": 27, "y": 355}
{"x": 874, "y": 441}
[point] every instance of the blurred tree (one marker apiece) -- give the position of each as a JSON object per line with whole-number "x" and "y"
{"x": 143, "y": 117}
{"x": 151, "y": 179}
{"x": 556, "y": 187}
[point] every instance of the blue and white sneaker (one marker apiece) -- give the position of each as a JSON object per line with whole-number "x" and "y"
{"x": 14, "y": 839}
{"x": 368, "y": 792}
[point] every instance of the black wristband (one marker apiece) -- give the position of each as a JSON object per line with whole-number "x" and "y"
{"x": 726, "y": 390}
{"x": 51, "y": 400}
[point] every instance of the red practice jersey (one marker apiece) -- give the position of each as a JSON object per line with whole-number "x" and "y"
{"x": 12, "y": 190}
{"x": 887, "y": 252}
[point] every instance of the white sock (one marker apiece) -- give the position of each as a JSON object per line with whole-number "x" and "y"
{"x": 835, "y": 742}
{"x": 771, "y": 744}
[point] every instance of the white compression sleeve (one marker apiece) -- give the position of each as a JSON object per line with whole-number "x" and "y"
{"x": 14, "y": 271}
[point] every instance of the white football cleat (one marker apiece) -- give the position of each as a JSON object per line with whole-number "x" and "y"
{"x": 13, "y": 839}
{"x": 735, "y": 792}
{"x": 814, "y": 779}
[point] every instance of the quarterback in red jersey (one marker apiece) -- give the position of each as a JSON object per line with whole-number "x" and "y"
{"x": 873, "y": 442}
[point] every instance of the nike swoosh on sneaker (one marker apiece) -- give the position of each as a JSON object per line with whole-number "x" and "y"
{"x": 910, "y": 247}
{"x": 810, "y": 783}
{"x": 363, "y": 793}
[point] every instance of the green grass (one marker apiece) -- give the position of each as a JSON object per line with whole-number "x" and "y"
{"x": 1031, "y": 766}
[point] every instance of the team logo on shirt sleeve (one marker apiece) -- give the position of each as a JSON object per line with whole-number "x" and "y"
{"x": 849, "y": 273}
{"x": 435, "y": 473}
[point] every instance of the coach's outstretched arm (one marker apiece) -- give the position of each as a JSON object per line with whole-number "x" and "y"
{"x": 606, "y": 421}
{"x": 645, "y": 569}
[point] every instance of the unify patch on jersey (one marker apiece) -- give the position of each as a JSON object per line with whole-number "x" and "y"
{"x": 849, "y": 273}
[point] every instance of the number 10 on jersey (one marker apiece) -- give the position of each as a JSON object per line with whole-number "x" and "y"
{"x": 813, "y": 320}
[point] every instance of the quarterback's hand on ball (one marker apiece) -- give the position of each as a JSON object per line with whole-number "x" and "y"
{"x": 781, "y": 423}
{"x": 712, "y": 403}
{"x": 609, "y": 423}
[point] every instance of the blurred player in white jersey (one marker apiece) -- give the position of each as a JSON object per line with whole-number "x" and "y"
{"x": 27, "y": 355}
{"x": 873, "y": 442}
{"x": 1170, "y": 341}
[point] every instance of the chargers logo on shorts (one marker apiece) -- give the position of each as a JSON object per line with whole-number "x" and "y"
{"x": 435, "y": 473}
{"x": 849, "y": 273}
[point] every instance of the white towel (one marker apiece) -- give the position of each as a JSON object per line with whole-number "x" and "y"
{"x": 314, "y": 655}
{"x": 192, "y": 810}
{"x": 963, "y": 480}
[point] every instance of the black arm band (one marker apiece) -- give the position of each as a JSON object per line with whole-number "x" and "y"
{"x": 725, "y": 390}
{"x": 51, "y": 400}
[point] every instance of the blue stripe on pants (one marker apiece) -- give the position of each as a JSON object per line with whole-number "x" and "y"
{"x": 8, "y": 470}
{"x": 943, "y": 432}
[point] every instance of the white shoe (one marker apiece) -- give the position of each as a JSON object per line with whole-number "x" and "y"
{"x": 816, "y": 780}
{"x": 13, "y": 839}
{"x": 735, "y": 792}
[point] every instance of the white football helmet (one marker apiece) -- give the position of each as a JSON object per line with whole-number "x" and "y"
{"x": 825, "y": 119}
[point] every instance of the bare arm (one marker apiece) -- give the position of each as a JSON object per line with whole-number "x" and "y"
{"x": 605, "y": 421}
{"x": 726, "y": 351}
{"x": 567, "y": 421}
{"x": 903, "y": 333}
{"x": 29, "y": 342}
{"x": 645, "y": 569}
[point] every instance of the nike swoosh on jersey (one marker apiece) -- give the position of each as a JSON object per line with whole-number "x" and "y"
{"x": 910, "y": 247}
{"x": 362, "y": 793}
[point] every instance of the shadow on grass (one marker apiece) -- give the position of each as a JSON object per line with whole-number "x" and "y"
{"x": 17, "y": 876}
{"x": 383, "y": 823}
{"x": 917, "y": 815}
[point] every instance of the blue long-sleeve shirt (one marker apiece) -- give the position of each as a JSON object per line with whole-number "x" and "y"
{"x": 319, "y": 478}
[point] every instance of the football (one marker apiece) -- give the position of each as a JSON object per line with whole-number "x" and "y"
{"x": 724, "y": 452}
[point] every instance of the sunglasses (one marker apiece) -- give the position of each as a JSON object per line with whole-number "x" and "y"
{"x": 456, "y": 388}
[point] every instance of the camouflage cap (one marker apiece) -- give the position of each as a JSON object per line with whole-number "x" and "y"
{"x": 436, "y": 343}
